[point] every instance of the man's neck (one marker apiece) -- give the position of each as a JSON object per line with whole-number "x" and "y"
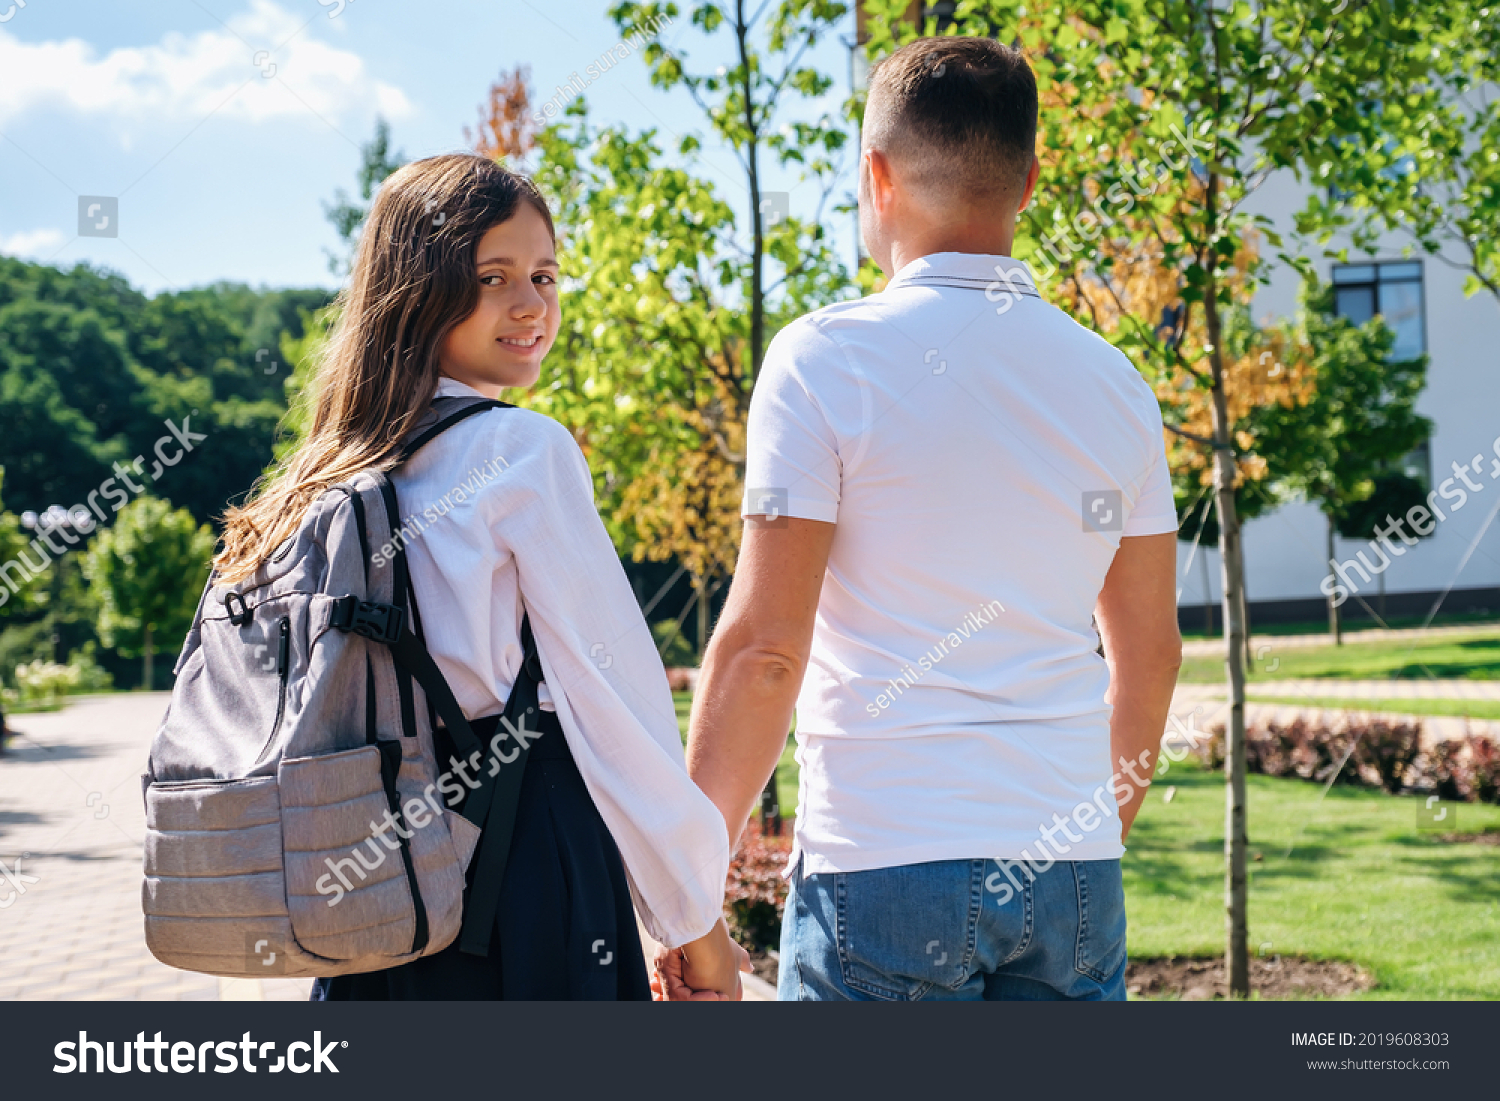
{"x": 991, "y": 237}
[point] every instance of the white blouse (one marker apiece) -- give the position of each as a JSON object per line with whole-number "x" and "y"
{"x": 499, "y": 511}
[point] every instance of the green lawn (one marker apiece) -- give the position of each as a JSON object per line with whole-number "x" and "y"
{"x": 1468, "y": 656}
{"x": 1320, "y": 627}
{"x": 1362, "y": 883}
{"x": 1473, "y": 709}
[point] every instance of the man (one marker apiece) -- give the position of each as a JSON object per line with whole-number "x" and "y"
{"x": 949, "y": 482}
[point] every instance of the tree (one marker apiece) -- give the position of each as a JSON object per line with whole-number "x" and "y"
{"x": 147, "y": 571}
{"x": 1360, "y": 420}
{"x": 1424, "y": 165}
{"x": 507, "y": 129}
{"x": 743, "y": 102}
{"x": 1172, "y": 113}
{"x": 1394, "y": 494}
{"x": 376, "y": 161}
{"x": 650, "y": 370}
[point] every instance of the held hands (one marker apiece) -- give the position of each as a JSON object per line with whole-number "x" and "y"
{"x": 705, "y": 970}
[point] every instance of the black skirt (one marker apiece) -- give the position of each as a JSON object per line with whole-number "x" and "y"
{"x": 565, "y": 927}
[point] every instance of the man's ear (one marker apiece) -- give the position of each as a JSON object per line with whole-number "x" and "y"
{"x": 1032, "y": 174}
{"x": 882, "y": 186}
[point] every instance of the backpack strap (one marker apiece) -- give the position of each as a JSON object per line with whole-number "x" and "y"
{"x": 493, "y": 805}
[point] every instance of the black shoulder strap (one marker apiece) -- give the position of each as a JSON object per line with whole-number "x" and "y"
{"x": 443, "y": 415}
{"x": 493, "y": 805}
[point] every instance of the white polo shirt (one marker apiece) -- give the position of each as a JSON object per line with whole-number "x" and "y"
{"x": 982, "y": 455}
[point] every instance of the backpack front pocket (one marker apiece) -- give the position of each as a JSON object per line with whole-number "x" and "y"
{"x": 214, "y": 894}
{"x": 350, "y": 888}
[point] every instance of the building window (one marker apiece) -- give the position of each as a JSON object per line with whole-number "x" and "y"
{"x": 1394, "y": 291}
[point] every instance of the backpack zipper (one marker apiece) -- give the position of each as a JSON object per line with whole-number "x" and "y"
{"x": 283, "y": 667}
{"x": 390, "y": 768}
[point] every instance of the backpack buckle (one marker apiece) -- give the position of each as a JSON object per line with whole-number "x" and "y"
{"x": 237, "y": 616}
{"x": 381, "y": 622}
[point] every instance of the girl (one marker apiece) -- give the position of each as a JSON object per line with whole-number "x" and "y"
{"x": 454, "y": 292}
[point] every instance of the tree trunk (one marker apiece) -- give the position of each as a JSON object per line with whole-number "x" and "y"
{"x": 752, "y": 172}
{"x": 1249, "y": 656}
{"x": 1335, "y": 627}
{"x": 1208, "y": 600}
{"x": 1236, "y": 883}
{"x": 701, "y": 583}
{"x": 146, "y": 656}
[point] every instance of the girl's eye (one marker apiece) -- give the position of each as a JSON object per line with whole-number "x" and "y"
{"x": 486, "y": 280}
{"x": 544, "y": 277}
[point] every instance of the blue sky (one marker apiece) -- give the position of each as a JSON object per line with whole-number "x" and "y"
{"x": 222, "y": 126}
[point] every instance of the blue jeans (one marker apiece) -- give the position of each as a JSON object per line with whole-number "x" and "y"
{"x": 961, "y": 930}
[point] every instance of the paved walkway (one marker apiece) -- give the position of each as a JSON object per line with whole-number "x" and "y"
{"x": 1379, "y": 697}
{"x": 1213, "y": 647}
{"x": 70, "y": 797}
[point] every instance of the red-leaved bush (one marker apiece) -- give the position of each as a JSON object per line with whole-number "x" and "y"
{"x": 1386, "y": 754}
{"x": 755, "y": 891}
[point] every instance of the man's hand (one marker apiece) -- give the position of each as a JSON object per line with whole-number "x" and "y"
{"x": 706, "y": 970}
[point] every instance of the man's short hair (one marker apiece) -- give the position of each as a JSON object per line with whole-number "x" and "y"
{"x": 958, "y": 114}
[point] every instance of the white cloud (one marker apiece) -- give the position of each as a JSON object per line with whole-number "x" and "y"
{"x": 32, "y": 242}
{"x": 192, "y": 75}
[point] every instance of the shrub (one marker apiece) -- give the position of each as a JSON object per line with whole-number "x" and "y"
{"x": 1386, "y": 754}
{"x": 1444, "y": 769}
{"x": 46, "y": 684}
{"x": 1484, "y": 768}
{"x": 1389, "y": 749}
{"x": 755, "y": 891}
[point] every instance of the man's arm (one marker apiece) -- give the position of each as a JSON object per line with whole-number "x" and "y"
{"x": 1137, "y": 618}
{"x": 753, "y": 668}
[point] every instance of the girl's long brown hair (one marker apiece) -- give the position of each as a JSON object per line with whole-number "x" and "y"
{"x": 412, "y": 281}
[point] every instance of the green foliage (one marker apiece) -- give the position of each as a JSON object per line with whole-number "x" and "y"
{"x": 1423, "y": 164}
{"x": 43, "y": 685}
{"x": 680, "y": 653}
{"x": 147, "y": 571}
{"x": 1362, "y": 417}
{"x": 90, "y": 370}
{"x": 377, "y": 161}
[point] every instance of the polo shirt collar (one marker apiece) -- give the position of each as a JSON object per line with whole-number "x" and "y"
{"x": 976, "y": 271}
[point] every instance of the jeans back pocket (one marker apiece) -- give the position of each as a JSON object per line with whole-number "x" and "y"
{"x": 903, "y": 931}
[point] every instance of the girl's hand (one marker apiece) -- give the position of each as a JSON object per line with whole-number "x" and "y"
{"x": 705, "y": 970}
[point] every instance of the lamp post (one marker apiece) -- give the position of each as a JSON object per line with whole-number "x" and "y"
{"x": 58, "y": 521}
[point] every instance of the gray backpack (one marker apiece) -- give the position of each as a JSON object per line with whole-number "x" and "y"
{"x": 297, "y": 822}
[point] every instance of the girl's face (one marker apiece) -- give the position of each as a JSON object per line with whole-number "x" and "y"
{"x": 501, "y": 344}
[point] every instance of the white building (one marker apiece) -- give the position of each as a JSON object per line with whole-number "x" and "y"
{"x": 1421, "y": 298}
